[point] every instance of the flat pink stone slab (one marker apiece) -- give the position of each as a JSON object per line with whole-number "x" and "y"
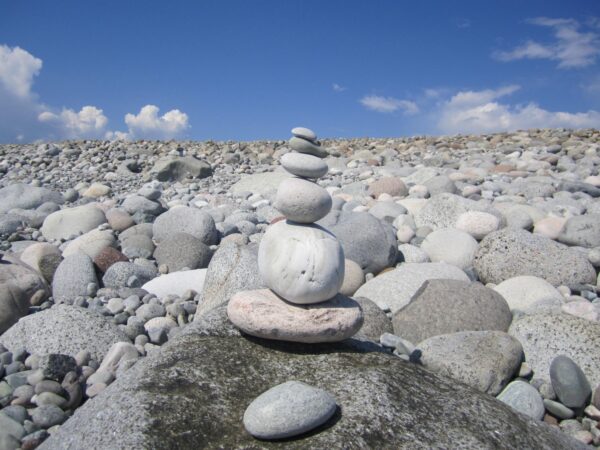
{"x": 263, "y": 314}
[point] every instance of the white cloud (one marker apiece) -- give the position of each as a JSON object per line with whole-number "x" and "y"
{"x": 480, "y": 112}
{"x": 147, "y": 124}
{"x": 89, "y": 122}
{"x": 337, "y": 88}
{"x": 463, "y": 23}
{"x": 389, "y": 104}
{"x": 17, "y": 70}
{"x": 572, "y": 48}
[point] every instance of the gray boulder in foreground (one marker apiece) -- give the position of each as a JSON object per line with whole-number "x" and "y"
{"x": 193, "y": 392}
{"x": 64, "y": 329}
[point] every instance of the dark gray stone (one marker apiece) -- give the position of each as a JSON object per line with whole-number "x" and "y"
{"x": 449, "y": 306}
{"x": 570, "y": 383}
{"x": 185, "y": 220}
{"x": 55, "y": 366}
{"x": 512, "y": 252}
{"x": 440, "y": 184}
{"x": 375, "y": 323}
{"x": 373, "y": 248}
{"x": 117, "y": 275}
{"x": 182, "y": 250}
{"x": 189, "y": 394}
{"x": 47, "y": 416}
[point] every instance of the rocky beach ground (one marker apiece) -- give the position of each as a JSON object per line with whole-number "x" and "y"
{"x": 474, "y": 260}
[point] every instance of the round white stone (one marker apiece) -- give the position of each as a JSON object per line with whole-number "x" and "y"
{"x": 302, "y": 201}
{"x": 303, "y": 165}
{"x": 304, "y": 133}
{"x": 304, "y": 264}
{"x": 477, "y": 223}
{"x": 451, "y": 246}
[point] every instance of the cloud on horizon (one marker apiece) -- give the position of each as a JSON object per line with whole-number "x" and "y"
{"x": 389, "y": 104}
{"x": 571, "y": 47}
{"x": 481, "y": 112}
{"x": 24, "y": 118}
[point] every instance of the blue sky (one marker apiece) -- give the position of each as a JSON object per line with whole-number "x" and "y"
{"x": 246, "y": 70}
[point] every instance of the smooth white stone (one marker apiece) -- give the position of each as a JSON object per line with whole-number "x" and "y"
{"x": 302, "y": 201}
{"x": 302, "y": 263}
{"x": 303, "y": 165}
{"x": 305, "y": 133}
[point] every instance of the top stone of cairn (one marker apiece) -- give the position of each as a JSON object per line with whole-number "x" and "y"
{"x": 304, "y": 133}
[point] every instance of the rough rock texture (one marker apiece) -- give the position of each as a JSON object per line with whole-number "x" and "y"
{"x": 72, "y": 277}
{"x": 395, "y": 288}
{"x": 511, "y": 252}
{"x": 375, "y": 323}
{"x": 546, "y": 335}
{"x": 64, "y": 329}
{"x": 263, "y": 314}
{"x": 485, "y": 360}
{"x": 449, "y": 306}
{"x": 583, "y": 231}
{"x": 182, "y": 250}
{"x": 373, "y": 249}
{"x": 233, "y": 268}
{"x": 190, "y": 394}
{"x": 443, "y": 210}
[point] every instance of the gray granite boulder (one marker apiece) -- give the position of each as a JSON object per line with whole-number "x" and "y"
{"x": 189, "y": 394}
{"x": 120, "y": 272}
{"x": 233, "y": 268}
{"x": 375, "y": 322}
{"x": 64, "y": 329}
{"x": 485, "y": 360}
{"x": 395, "y": 288}
{"x": 373, "y": 248}
{"x": 512, "y": 252}
{"x": 449, "y": 306}
{"x": 545, "y": 335}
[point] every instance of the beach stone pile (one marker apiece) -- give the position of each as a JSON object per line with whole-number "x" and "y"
{"x": 301, "y": 263}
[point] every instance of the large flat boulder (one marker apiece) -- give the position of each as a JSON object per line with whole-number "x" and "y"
{"x": 177, "y": 168}
{"x": 24, "y": 196}
{"x": 193, "y": 392}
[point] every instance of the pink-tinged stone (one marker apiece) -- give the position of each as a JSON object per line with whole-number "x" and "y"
{"x": 263, "y": 314}
{"x": 550, "y": 226}
{"x": 583, "y": 309}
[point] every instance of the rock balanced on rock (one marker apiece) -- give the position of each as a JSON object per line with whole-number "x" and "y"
{"x": 301, "y": 262}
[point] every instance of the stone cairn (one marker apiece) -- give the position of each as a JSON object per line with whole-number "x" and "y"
{"x": 301, "y": 262}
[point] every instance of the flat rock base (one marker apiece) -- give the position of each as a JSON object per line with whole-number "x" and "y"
{"x": 262, "y": 313}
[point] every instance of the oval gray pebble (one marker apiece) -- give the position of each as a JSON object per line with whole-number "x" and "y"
{"x": 288, "y": 409}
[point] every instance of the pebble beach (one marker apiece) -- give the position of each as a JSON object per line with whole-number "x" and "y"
{"x": 409, "y": 292}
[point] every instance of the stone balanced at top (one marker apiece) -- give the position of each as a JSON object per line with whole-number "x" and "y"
{"x": 301, "y": 262}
